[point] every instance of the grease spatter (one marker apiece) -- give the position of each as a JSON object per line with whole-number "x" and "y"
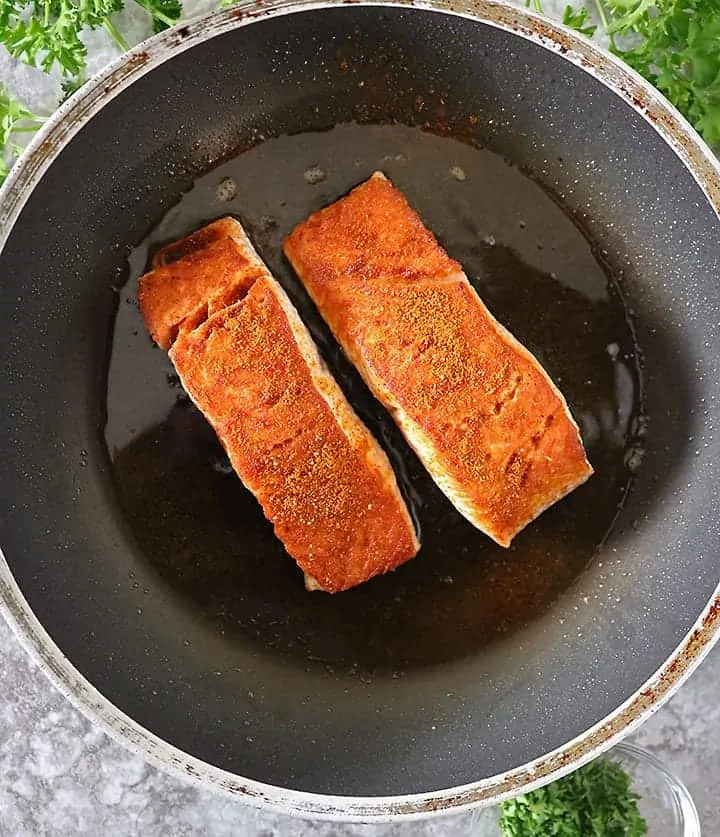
{"x": 226, "y": 189}
{"x": 314, "y": 175}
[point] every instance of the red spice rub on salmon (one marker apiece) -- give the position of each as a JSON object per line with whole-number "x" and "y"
{"x": 487, "y": 422}
{"x": 253, "y": 370}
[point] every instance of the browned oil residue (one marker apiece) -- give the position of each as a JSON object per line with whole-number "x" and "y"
{"x": 206, "y": 535}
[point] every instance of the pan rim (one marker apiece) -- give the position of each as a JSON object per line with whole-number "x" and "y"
{"x": 60, "y": 129}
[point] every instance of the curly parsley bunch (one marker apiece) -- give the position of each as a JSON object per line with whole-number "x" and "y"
{"x": 594, "y": 801}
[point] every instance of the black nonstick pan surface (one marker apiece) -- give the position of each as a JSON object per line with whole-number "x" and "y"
{"x": 151, "y": 569}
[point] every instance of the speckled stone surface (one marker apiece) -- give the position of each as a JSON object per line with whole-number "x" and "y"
{"x": 59, "y": 775}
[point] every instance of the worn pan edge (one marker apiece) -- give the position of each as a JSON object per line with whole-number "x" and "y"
{"x": 37, "y": 158}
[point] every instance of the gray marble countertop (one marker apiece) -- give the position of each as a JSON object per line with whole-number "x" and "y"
{"x": 59, "y": 775}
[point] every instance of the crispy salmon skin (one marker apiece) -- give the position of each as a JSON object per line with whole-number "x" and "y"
{"x": 487, "y": 422}
{"x": 250, "y": 365}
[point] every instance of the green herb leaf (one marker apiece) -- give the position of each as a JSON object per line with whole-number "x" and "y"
{"x": 14, "y": 119}
{"x": 70, "y": 86}
{"x": 578, "y": 19}
{"x": 164, "y": 13}
{"x": 46, "y": 33}
{"x": 594, "y": 801}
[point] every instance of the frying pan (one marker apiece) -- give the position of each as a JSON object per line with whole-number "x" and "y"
{"x": 140, "y": 573}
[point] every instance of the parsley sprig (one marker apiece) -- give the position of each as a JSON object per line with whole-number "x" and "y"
{"x": 47, "y": 33}
{"x": 164, "y": 13}
{"x": 594, "y": 801}
{"x": 15, "y": 119}
{"x": 579, "y": 19}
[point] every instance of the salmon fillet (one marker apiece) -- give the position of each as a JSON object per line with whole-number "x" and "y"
{"x": 485, "y": 419}
{"x": 249, "y": 364}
